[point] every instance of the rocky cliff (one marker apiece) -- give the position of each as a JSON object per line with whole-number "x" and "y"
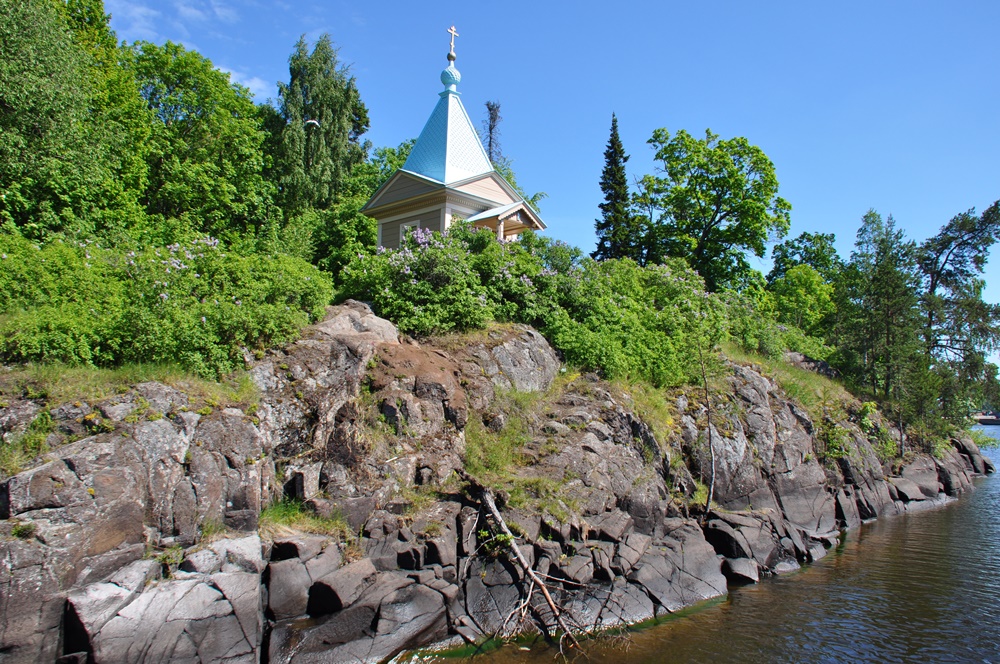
{"x": 139, "y": 541}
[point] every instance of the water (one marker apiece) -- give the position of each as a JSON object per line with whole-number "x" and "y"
{"x": 921, "y": 587}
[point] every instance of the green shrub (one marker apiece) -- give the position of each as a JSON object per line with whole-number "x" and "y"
{"x": 983, "y": 440}
{"x": 193, "y": 304}
{"x": 614, "y": 317}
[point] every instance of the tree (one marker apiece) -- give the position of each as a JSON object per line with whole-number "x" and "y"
{"x": 206, "y": 160}
{"x": 342, "y": 231}
{"x": 491, "y": 132}
{"x": 880, "y": 304}
{"x": 803, "y": 298}
{"x": 501, "y": 164}
{"x": 959, "y": 328}
{"x": 50, "y": 171}
{"x": 618, "y": 234}
{"x": 118, "y": 117}
{"x": 712, "y": 201}
{"x": 316, "y": 132}
{"x": 814, "y": 249}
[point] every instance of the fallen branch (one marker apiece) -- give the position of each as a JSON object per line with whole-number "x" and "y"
{"x": 486, "y": 497}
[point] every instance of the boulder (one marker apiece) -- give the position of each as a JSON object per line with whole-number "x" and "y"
{"x": 741, "y": 570}
{"x": 907, "y": 490}
{"x": 339, "y": 589}
{"x": 681, "y": 571}
{"x": 923, "y": 472}
{"x": 288, "y": 588}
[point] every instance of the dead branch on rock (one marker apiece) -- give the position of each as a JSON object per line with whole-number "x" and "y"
{"x": 487, "y": 500}
{"x": 521, "y": 611}
{"x": 708, "y": 411}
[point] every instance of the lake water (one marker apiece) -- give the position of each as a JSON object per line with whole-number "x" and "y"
{"x": 921, "y": 587}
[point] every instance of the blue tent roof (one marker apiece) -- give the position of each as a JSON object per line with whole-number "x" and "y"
{"x": 448, "y": 149}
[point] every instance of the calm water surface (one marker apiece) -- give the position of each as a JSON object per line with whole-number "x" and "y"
{"x": 921, "y": 587}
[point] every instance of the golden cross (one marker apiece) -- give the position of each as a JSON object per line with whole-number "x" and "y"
{"x": 451, "y": 31}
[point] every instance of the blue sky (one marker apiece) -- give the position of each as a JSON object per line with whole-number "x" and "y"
{"x": 888, "y": 105}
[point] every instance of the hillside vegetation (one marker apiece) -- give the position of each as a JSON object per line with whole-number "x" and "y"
{"x": 152, "y": 212}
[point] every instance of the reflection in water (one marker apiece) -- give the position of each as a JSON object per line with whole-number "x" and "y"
{"x": 921, "y": 587}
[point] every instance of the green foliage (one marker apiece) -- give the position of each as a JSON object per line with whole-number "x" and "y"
{"x": 877, "y": 306}
{"x": 983, "y": 440}
{"x": 430, "y": 285}
{"x": 316, "y": 130}
{"x": 491, "y": 454}
{"x": 171, "y": 556}
{"x": 23, "y": 530}
{"x": 868, "y": 408}
{"x": 960, "y": 329}
{"x": 29, "y": 445}
{"x": 654, "y": 405}
{"x": 206, "y": 156}
{"x": 118, "y": 119}
{"x": 802, "y": 298}
{"x": 630, "y": 321}
{"x": 51, "y": 169}
{"x": 835, "y": 440}
{"x": 750, "y": 323}
{"x": 494, "y": 545}
{"x": 193, "y": 304}
{"x": 813, "y": 249}
{"x": 711, "y": 201}
{"x": 618, "y": 233}
{"x": 614, "y": 316}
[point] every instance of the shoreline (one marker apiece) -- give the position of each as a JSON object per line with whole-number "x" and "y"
{"x": 381, "y": 548}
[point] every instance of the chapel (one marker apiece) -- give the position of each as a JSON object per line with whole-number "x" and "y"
{"x": 448, "y": 177}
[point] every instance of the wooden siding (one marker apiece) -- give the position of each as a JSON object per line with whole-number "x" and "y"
{"x": 390, "y": 229}
{"x": 403, "y": 188}
{"x": 489, "y": 189}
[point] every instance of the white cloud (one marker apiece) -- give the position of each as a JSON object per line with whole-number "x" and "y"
{"x": 260, "y": 88}
{"x": 189, "y": 12}
{"x": 224, "y": 12}
{"x": 133, "y": 21}
{"x": 200, "y": 11}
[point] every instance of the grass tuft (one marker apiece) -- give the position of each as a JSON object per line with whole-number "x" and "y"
{"x": 292, "y": 515}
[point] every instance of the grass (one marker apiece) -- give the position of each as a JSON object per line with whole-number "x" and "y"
{"x": 813, "y": 391}
{"x": 493, "y": 457}
{"x": 292, "y": 515}
{"x": 23, "y": 530}
{"x": 56, "y": 384}
{"x": 17, "y": 452}
{"x": 655, "y": 406}
{"x": 489, "y": 455}
{"x": 454, "y": 341}
{"x": 60, "y": 383}
{"x": 540, "y": 494}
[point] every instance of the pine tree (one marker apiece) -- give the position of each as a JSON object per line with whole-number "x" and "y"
{"x": 617, "y": 234}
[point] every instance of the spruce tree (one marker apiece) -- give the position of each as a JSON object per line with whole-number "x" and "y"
{"x": 617, "y": 236}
